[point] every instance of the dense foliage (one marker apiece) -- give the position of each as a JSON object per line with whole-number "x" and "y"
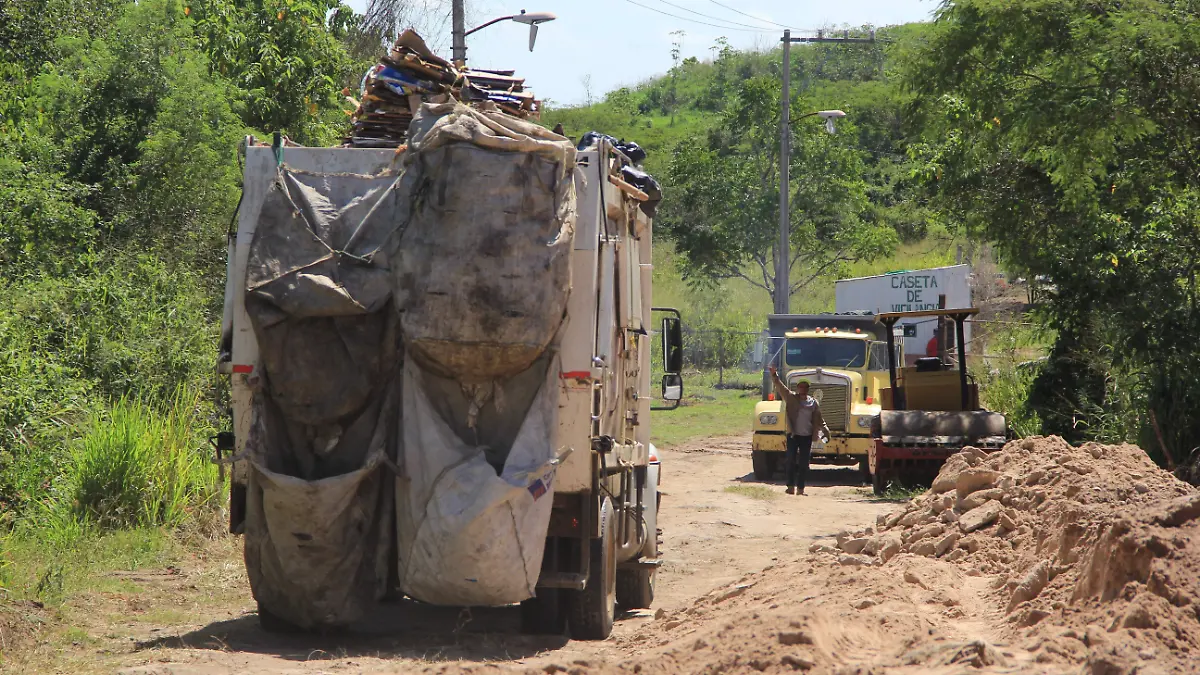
{"x": 712, "y": 133}
{"x": 1066, "y": 131}
{"x": 120, "y": 123}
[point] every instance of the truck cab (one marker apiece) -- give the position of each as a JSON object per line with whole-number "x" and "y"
{"x": 845, "y": 360}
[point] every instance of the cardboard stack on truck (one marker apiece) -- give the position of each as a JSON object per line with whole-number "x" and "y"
{"x": 440, "y": 370}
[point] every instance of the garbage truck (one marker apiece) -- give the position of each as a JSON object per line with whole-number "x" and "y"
{"x": 440, "y": 374}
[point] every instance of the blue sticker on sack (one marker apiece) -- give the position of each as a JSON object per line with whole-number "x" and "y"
{"x": 542, "y": 485}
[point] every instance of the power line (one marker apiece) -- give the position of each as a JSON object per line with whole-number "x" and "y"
{"x": 716, "y": 18}
{"x": 703, "y": 23}
{"x": 738, "y": 11}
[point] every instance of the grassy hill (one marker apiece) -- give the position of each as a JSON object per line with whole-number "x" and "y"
{"x": 735, "y": 302}
{"x": 685, "y": 104}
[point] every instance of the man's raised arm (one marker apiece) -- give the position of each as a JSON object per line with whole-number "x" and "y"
{"x": 781, "y": 389}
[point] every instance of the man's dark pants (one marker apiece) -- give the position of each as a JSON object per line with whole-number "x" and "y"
{"x": 799, "y": 452}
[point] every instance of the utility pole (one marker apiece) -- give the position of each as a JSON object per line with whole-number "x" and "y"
{"x": 459, "y": 32}
{"x": 783, "y": 287}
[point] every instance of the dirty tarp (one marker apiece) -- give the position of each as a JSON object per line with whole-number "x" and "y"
{"x": 318, "y": 293}
{"x": 317, "y": 550}
{"x": 466, "y": 535}
{"x": 482, "y": 280}
{"x": 409, "y": 324}
{"x": 483, "y": 274}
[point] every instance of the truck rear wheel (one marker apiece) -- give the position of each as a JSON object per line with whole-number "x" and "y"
{"x": 635, "y": 588}
{"x": 765, "y": 463}
{"x": 591, "y": 612}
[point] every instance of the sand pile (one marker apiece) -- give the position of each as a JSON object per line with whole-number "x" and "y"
{"x": 1093, "y": 552}
{"x": 1040, "y": 558}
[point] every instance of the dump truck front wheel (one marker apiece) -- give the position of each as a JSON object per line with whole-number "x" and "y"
{"x": 764, "y": 463}
{"x": 591, "y": 611}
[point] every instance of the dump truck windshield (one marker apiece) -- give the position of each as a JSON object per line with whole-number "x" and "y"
{"x": 827, "y": 352}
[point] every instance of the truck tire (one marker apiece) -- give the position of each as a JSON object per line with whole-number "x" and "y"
{"x": 635, "y": 588}
{"x": 591, "y": 612}
{"x": 764, "y": 463}
{"x": 543, "y": 614}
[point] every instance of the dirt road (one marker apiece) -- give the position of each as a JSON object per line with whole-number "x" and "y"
{"x": 718, "y": 527}
{"x": 1041, "y": 558}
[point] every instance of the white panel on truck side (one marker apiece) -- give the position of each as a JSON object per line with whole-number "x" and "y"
{"x": 908, "y": 291}
{"x": 634, "y": 302}
{"x": 579, "y": 338}
{"x": 646, "y": 388}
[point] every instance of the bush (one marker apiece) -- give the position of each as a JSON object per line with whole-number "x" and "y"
{"x": 138, "y": 466}
{"x": 1015, "y": 360}
{"x": 135, "y": 327}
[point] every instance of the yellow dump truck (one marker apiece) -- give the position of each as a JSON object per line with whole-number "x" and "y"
{"x": 845, "y": 359}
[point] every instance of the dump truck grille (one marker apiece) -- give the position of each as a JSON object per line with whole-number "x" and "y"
{"x": 833, "y": 404}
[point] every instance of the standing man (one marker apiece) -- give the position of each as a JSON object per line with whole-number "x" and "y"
{"x": 804, "y": 418}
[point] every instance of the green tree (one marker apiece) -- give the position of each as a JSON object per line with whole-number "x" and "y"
{"x": 724, "y": 213}
{"x": 146, "y": 127}
{"x": 1066, "y": 132}
{"x": 118, "y": 174}
{"x": 289, "y": 57}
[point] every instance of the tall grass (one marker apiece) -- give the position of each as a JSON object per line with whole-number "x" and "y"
{"x": 139, "y": 465}
{"x": 1005, "y": 389}
{"x": 1013, "y": 352}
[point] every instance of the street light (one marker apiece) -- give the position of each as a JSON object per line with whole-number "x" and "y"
{"x": 783, "y": 288}
{"x": 531, "y": 19}
{"x": 828, "y": 115}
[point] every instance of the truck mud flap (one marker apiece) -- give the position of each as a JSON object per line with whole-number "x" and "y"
{"x": 568, "y": 580}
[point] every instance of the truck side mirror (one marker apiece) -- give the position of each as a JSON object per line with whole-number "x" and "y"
{"x": 672, "y": 345}
{"x": 672, "y": 387}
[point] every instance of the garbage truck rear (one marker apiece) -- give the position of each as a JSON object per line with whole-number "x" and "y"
{"x": 440, "y": 363}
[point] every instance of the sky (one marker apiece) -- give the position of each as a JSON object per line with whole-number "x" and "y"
{"x": 598, "y": 46}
